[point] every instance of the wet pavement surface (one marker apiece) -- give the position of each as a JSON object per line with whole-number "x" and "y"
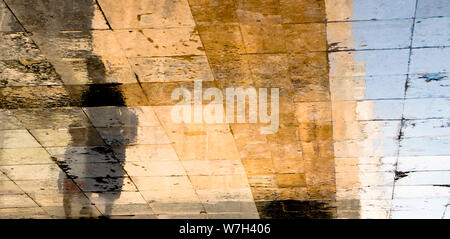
{"x": 86, "y": 98}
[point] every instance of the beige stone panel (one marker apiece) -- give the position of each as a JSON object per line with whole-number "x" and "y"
{"x": 257, "y": 12}
{"x": 365, "y": 164}
{"x": 160, "y": 152}
{"x": 125, "y": 14}
{"x": 269, "y": 67}
{"x": 343, "y": 64}
{"x": 347, "y": 165}
{"x": 319, "y": 169}
{"x": 124, "y": 198}
{"x": 213, "y": 12}
{"x": 254, "y": 150}
{"x": 171, "y": 195}
{"x": 122, "y": 116}
{"x": 68, "y": 137}
{"x": 172, "y": 184}
{"x": 222, "y": 39}
{"x": 133, "y": 95}
{"x": 73, "y": 44}
{"x": 362, "y": 193}
{"x": 309, "y": 75}
{"x": 164, "y": 115}
{"x": 257, "y": 17}
{"x": 140, "y": 210}
{"x": 365, "y": 129}
{"x": 366, "y": 148}
{"x": 286, "y": 135}
{"x": 322, "y": 192}
{"x": 258, "y": 166}
{"x": 9, "y": 187}
{"x": 263, "y": 38}
{"x": 225, "y": 182}
{"x": 195, "y": 142}
{"x": 248, "y": 133}
{"x": 340, "y": 35}
{"x": 291, "y": 180}
{"x": 225, "y": 195}
{"x": 155, "y": 168}
{"x": 311, "y": 90}
{"x": 367, "y": 110}
{"x": 231, "y": 70}
{"x": 240, "y": 201}
{"x": 58, "y": 212}
{"x": 213, "y": 167}
{"x": 32, "y": 172}
{"x": 82, "y": 57}
{"x": 266, "y": 194}
{"x": 160, "y": 93}
{"x": 23, "y": 213}
{"x": 315, "y": 131}
{"x": 375, "y": 214}
{"x": 8, "y": 120}
{"x": 344, "y": 111}
{"x": 3, "y": 177}
{"x": 288, "y": 151}
{"x": 17, "y": 139}
{"x": 105, "y": 44}
{"x": 47, "y": 186}
{"x": 133, "y": 135}
{"x": 102, "y": 70}
{"x": 306, "y": 65}
{"x": 60, "y": 118}
{"x": 16, "y": 201}
{"x": 337, "y": 10}
{"x": 160, "y": 42}
{"x": 313, "y": 111}
{"x": 57, "y": 199}
{"x": 172, "y": 69}
{"x": 368, "y": 179}
{"x": 349, "y": 88}
{"x": 24, "y": 156}
{"x": 318, "y": 150}
{"x": 262, "y": 180}
{"x": 294, "y": 193}
{"x": 305, "y": 37}
{"x": 294, "y": 11}
{"x": 288, "y": 166}
{"x": 35, "y": 97}
{"x": 246, "y": 209}
{"x": 178, "y": 209}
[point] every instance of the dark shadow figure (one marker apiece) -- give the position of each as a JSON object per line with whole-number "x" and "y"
{"x": 47, "y": 19}
{"x": 109, "y": 181}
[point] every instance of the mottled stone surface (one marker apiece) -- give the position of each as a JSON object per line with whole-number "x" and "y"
{"x": 86, "y": 99}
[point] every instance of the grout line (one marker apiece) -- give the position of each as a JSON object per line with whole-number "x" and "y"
{"x": 330, "y": 93}
{"x": 103, "y": 13}
{"x": 24, "y": 192}
{"x": 68, "y": 176}
{"x": 403, "y": 120}
{"x": 15, "y": 17}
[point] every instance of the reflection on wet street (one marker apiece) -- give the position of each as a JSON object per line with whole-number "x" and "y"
{"x": 86, "y": 100}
